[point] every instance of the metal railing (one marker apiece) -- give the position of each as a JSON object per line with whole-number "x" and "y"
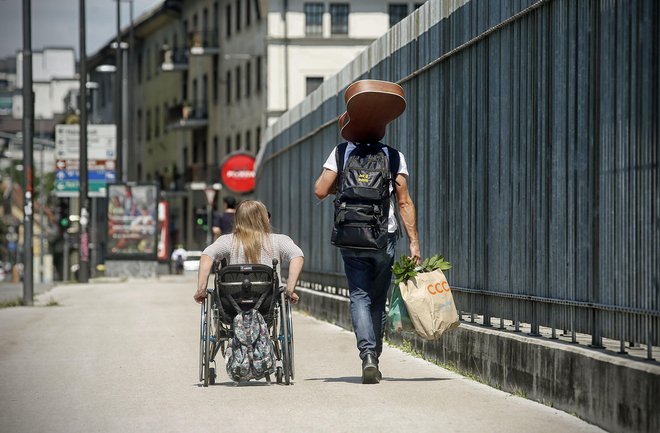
{"x": 531, "y": 134}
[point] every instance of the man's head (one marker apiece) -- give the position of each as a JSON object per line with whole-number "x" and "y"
{"x": 230, "y": 202}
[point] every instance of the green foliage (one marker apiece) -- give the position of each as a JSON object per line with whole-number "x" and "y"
{"x": 406, "y": 268}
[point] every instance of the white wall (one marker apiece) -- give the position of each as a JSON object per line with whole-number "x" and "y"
{"x": 48, "y": 64}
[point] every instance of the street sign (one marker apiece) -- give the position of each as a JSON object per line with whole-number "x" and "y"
{"x": 101, "y": 142}
{"x": 210, "y": 195}
{"x": 237, "y": 173}
{"x": 67, "y": 177}
{"x": 101, "y": 156}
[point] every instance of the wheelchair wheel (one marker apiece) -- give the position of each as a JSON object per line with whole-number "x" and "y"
{"x": 202, "y": 324}
{"x": 287, "y": 339}
{"x": 207, "y": 341}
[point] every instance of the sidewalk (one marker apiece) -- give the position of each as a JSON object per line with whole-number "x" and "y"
{"x": 12, "y": 291}
{"x": 123, "y": 357}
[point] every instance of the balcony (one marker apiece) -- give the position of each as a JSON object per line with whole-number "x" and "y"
{"x": 188, "y": 115}
{"x": 173, "y": 59}
{"x": 202, "y": 172}
{"x": 203, "y": 42}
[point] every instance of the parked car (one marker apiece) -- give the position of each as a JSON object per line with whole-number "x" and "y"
{"x": 191, "y": 263}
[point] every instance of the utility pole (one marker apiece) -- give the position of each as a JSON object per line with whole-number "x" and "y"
{"x": 83, "y": 272}
{"x": 28, "y": 133}
{"x": 119, "y": 80}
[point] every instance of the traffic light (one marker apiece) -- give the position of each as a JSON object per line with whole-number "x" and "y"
{"x": 201, "y": 219}
{"x": 62, "y": 213}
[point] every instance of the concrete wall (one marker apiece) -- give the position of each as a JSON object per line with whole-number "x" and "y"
{"x": 617, "y": 393}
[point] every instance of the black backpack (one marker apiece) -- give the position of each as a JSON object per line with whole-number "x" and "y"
{"x": 362, "y": 203}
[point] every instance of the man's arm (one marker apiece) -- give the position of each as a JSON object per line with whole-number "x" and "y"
{"x": 407, "y": 212}
{"x": 325, "y": 184}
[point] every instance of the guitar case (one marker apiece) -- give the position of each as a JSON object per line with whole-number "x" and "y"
{"x": 370, "y": 106}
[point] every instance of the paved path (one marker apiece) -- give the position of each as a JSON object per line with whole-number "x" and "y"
{"x": 122, "y": 357}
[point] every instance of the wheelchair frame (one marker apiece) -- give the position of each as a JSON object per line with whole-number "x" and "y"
{"x": 215, "y": 334}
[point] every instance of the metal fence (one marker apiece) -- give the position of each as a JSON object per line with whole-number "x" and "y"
{"x": 532, "y": 138}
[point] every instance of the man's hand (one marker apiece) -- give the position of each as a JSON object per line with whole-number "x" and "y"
{"x": 415, "y": 254}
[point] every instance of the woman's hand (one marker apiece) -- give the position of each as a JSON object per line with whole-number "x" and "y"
{"x": 293, "y": 296}
{"x": 199, "y": 296}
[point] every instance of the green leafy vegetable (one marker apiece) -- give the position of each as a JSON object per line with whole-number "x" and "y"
{"x": 406, "y": 268}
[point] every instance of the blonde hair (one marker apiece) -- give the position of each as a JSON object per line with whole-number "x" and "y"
{"x": 252, "y": 229}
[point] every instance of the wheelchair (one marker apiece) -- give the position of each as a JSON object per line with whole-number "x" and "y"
{"x": 245, "y": 286}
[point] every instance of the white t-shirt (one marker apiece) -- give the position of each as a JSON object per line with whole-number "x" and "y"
{"x": 331, "y": 164}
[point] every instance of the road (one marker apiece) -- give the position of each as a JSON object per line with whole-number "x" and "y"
{"x": 122, "y": 357}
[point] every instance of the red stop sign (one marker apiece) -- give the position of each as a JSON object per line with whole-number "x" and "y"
{"x": 238, "y": 173}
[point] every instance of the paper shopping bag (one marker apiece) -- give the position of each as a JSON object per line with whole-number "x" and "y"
{"x": 398, "y": 319}
{"x": 430, "y": 304}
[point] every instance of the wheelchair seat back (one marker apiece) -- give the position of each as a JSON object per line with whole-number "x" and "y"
{"x": 246, "y": 284}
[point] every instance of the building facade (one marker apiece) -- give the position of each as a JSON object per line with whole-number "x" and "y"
{"x": 207, "y": 77}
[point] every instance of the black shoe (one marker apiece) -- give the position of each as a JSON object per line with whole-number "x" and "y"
{"x": 370, "y": 373}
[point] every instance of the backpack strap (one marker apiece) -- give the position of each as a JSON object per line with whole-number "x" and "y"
{"x": 340, "y": 156}
{"x": 395, "y": 161}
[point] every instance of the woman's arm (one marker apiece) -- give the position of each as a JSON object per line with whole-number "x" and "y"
{"x": 205, "y": 266}
{"x": 295, "y": 267}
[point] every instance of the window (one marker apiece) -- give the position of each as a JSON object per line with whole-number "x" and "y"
{"x": 339, "y": 18}
{"x": 157, "y": 48}
{"x": 258, "y": 74}
{"x": 147, "y": 56}
{"x": 238, "y": 141}
{"x": 248, "y": 78}
{"x": 216, "y": 77}
{"x": 248, "y": 13}
{"x": 148, "y": 125}
{"x": 397, "y": 12}
{"x": 258, "y": 138}
{"x": 248, "y": 141}
{"x": 228, "y": 21}
{"x": 311, "y": 83}
{"x": 157, "y": 122}
{"x": 418, "y": 5}
{"x": 314, "y": 19}
{"x": 228, "y": 93}
{"x": 238, "y": 83}
{"x": 139, "y": 124}
{"x": 205, "y": 88}
{"x": 216, "y": 150}
{"x": 238, "y": 15}
{"x": 165, "y": 108}
{"x": 139, "y": 68}
{"x": 228, "y": 145}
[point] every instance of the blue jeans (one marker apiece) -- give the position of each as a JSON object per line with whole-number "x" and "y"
{"x": 369, "y": 274}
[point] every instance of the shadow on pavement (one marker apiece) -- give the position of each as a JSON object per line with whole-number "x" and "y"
{"x": 358, "y": 379}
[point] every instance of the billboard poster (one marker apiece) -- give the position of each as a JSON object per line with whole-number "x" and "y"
{"x": 132, "y": 221}
{"x": 163, "y": 224}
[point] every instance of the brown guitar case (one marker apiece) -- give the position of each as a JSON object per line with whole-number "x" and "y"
{"x": 370, "y": 106}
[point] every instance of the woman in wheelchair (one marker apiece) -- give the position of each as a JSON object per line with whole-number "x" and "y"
{"x": 252, "y": 241}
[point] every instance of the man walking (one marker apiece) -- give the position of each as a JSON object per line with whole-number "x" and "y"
{"x": 224, "y": 224}
{"x": 368, "y": 258}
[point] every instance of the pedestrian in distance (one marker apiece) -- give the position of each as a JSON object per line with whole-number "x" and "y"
{"x": 179, "y": 256}
{"x": 365, "y": 175}
{"x": 252, "y": 241}
{"x": 224, "y": 223}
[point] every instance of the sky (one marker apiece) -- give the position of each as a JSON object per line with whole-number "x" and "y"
{"x": 55, "y": 23}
